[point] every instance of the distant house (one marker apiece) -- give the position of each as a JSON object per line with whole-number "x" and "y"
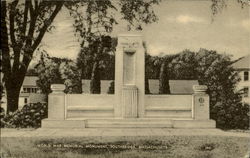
{"x": 243, "y": 68}
{"x": 29, "y": 85}
{"x": 29, "y": 93}
{"x": 176, "y": 86}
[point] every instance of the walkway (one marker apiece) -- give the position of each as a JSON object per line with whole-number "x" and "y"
{"x": 88, "y": 132}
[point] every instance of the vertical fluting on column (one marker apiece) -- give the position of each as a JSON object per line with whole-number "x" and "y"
{"x": 130, "y": 101}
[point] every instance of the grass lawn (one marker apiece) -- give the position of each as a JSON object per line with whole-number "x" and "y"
{"x": 123, "y": 147}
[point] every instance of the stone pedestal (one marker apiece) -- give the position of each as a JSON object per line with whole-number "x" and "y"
{"x": 56, "y": 105}
{"x": 200, "y": 107}
{"x": 129, "y": 101}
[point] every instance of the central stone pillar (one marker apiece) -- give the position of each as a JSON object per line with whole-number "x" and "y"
{"x": 129, "y": 76}
{"x": 129, "y": 101}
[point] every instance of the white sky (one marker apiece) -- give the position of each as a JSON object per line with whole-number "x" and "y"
{"x": 182, "y": 25}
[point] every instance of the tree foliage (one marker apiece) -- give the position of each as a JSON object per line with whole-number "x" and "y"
{"x": 52, "y": 70}
{"x": 94, "y": 21}
{"x": 70, "y": 75}
{"x": 95, "y": 60}
{"x": 48, "y": 72}
{"x": 23, "y": 26}
{"x": 214, "y": 70}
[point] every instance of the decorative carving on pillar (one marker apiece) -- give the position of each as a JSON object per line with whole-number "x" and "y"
{"x": 129, "y": 101}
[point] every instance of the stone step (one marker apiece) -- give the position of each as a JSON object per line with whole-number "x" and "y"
{"x": 128, "y": 123}
{"x": 162, "y": 108}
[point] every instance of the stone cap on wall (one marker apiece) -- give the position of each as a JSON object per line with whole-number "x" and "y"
{"x": 130, "y": 34}
{"x": 57, "y": 88}
{"x": 199, "y": 88}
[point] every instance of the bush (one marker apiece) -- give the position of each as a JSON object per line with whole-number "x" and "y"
{"x": 231, "y": 116}
{"x": 2, "y": 114}
{"x": 29, "y": 116}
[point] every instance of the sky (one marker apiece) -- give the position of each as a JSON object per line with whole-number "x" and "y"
{"x": 182, "y": 24}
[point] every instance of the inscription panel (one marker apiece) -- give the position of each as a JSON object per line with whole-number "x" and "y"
{"x": 129, "y": 68}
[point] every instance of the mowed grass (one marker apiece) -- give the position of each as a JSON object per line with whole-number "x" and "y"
{"x": 126, "y": 147}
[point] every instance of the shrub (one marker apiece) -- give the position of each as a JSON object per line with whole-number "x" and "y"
{"x": 29, "y": 116}
{"x": 2, "y": 114}
{"x": 231, "y": 116}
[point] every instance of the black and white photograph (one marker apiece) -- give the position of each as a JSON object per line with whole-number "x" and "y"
{"x": 125, "y": 79}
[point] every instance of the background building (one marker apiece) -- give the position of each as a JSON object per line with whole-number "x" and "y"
{"x": 29, "y": 93}
{"x": 243, "y": 67}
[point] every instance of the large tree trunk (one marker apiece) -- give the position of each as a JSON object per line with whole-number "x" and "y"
{"x": 95, "y": 83}
{"x": 13, "y": 91}
{"x": 147, "y": 91}
{"x": 12, "y": 99}
{"x": 164, "y": 87}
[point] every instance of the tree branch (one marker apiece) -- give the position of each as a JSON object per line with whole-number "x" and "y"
{"x": 4, "y": 43}
{"x": 12, "y": 23}
{"x": 31, "y": 48}
{"x": 25, "y": 19}
{"x": 36, "y": 5}
{"x": 46, "y": 25}
{"x": 33, "y": 19}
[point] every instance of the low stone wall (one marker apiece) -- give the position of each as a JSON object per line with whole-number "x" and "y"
{"x": 175, "y": 106}
{"x": 171, "y": 101}
{"x": 90, "y": 99}
{"x": 89, "y": 105}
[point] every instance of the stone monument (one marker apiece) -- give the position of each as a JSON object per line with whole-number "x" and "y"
{"x": 129, "y": 77}
{"x": 129, "y": 106}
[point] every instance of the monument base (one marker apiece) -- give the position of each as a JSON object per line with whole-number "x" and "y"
{"x": 194, "y": 124}
{"x": 128, "y": 123}
{"x": 51, "y": 123}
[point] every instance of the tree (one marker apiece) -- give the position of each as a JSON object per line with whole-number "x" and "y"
{"x": 164, "y": 87}
{"x": 183, "y": 66}
{"x": 93, "y": 59}
{"x": 215, "y": 71}
{"x": 23, "y": 26}
{"x": 94, "y": 21}
{"x": 52, "y": 70}
{"x": 147, "y": 69}
{"x": 48, "y": 72}
{"x": 70, "y": 75}
{"x": 161, "y": 66}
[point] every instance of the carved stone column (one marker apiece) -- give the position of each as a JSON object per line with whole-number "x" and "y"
{"x": 130, "y": 101}
{"x": 129, "y": 76}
